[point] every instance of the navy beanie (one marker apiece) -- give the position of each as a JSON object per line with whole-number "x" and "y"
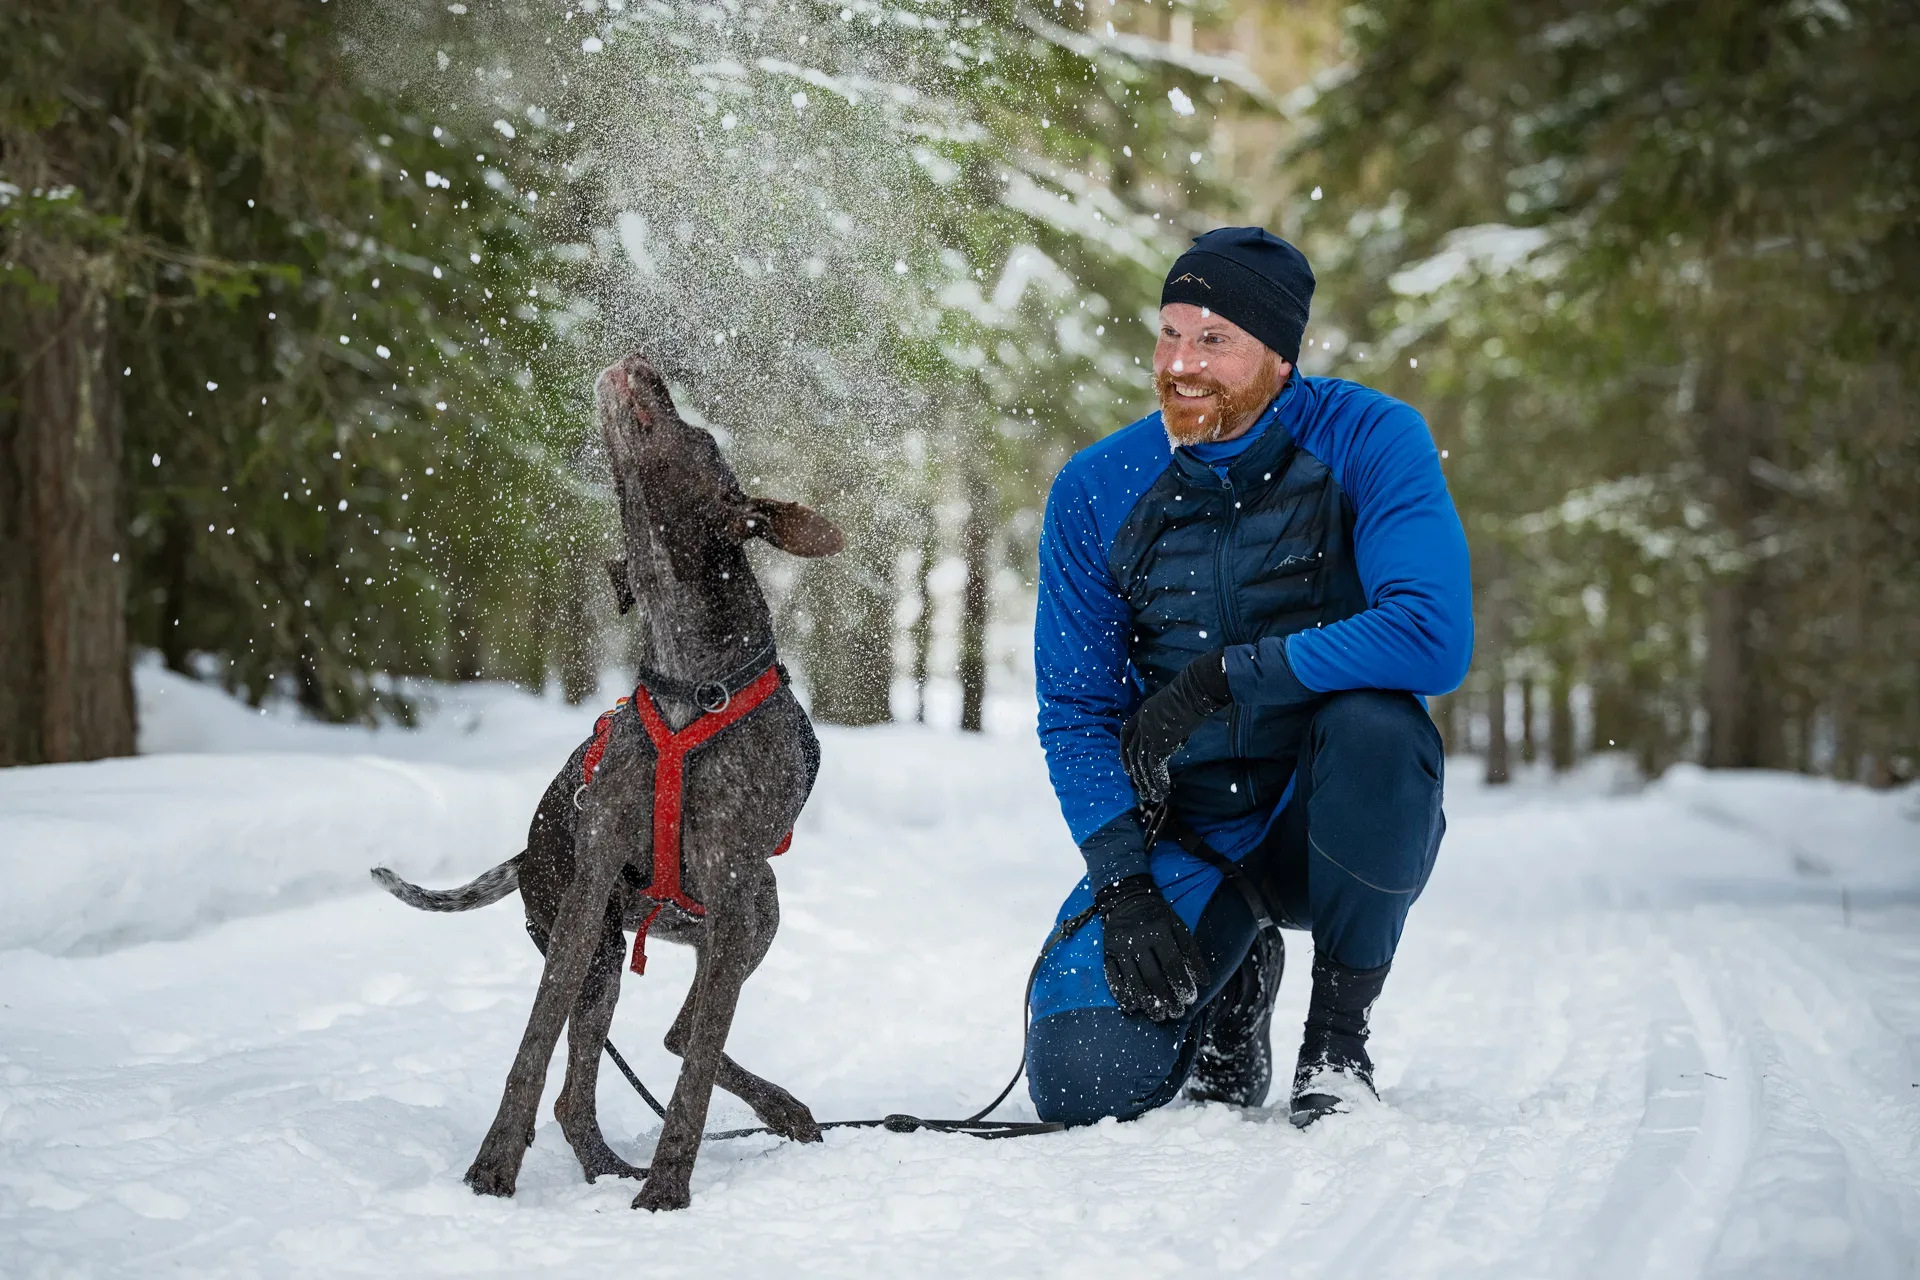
{"x": 1253, "y": 278}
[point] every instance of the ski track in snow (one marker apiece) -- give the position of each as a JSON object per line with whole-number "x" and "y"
{"x": 1637, "y": 1035}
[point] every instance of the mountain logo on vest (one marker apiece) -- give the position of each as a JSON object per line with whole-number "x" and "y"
{"x": 1184, "y": 277}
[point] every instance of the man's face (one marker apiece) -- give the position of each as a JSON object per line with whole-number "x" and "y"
{"x": 1214, "y": 378}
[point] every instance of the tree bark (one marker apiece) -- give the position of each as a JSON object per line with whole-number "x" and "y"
{"x": 976, "y": 602}
{"x": 922, "y": 635}
{"x": 578, "y": 657}
{"x": 1560, "y": 719}
{"x": 1499, "y": 762}
{"x": 69, "y": 693}
{"x": 464, "y": 626}
{"x": 1441, "y": 709}
{"x": 848, "y": 603}
{"x": 1738, "y": 711}
{"x": 1529, "y": 746}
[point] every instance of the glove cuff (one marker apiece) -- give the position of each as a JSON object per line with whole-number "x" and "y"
{"x": 1116, "y": 851}
{"x": 1206, "y": 677}
{"x": 1125, "y": 889}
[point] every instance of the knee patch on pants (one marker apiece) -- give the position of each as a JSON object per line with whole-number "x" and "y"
{"x": 1084, "y": 1065}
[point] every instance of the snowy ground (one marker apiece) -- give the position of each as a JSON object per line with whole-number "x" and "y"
{"x": 1671, "y": 1033}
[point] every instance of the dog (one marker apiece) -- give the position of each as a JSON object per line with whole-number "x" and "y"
{"x": 591, "y": 868}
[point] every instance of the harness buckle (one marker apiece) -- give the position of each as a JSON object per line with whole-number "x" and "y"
{"x": 713, "y": 696}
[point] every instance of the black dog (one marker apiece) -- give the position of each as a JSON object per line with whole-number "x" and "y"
{"x": 590, "y": 868}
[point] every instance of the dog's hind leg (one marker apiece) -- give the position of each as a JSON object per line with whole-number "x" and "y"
{"x": 577, "y": 936}
{"x": 577, "y": 1107}
{"x": 777, "y": 1109}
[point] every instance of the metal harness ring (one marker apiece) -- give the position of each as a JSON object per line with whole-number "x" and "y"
{"x": 712, "y": 705}
{"x": 577, "y": 793}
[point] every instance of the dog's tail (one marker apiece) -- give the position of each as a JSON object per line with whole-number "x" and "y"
{"x": 489, "y": 888}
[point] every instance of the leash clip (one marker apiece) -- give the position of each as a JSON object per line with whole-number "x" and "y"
{"x": 717, "y": 701}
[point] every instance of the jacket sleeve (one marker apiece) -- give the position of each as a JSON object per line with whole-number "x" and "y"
{"x": 1083, "y": 684}
{"x": 1417, "y": 630}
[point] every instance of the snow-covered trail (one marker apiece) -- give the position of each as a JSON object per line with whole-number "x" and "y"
{"x": 1675, "y": 1033}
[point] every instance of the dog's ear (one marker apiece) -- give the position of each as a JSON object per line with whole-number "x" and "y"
{"x": 622, "y": 588}
{"x": 795, "y": 529}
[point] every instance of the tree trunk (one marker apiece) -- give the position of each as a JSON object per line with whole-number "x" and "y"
{"x": 68, "y": 691}
{"x": 922, "y": 635}
{"x": 1529, "y": 745}
{"x": 464, "y": 627}
{"x": 1492, "y": 659}
{"x": 1732, "y": 738}
{"x": 578, "y": 655}
{"x": 848, "y": 603}
{"x": 1499, "y": 765}
{"x": 976, "y": 603}
{"x": 176, "y": 554}
{"x": 1738, "y": 710}
{"x": 1560, "y": 719}
{"x": 1441, "y": 709}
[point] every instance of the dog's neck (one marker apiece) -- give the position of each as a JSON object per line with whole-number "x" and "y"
{"x": 703, "y": 624}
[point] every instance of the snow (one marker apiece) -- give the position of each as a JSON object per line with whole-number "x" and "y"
{"x": 1669, "y": 1032}
{"x": 1493, "y": 249}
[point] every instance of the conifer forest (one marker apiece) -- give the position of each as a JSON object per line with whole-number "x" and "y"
{"x": 300, "y": 304}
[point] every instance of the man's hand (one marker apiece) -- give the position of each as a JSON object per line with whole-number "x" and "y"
{"x": 1153, "y": 966}
{"x": 1168, "y": 718}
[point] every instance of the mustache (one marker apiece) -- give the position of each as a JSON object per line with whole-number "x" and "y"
{"x": 1163, "y": 384}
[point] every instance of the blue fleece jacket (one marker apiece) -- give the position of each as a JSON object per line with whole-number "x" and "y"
{"x": 1415, "y": 633}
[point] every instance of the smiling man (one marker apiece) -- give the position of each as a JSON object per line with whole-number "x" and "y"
{"x": 1242, "y": 598}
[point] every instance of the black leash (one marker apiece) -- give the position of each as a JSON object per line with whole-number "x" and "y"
{"x": 1156, "y": 820}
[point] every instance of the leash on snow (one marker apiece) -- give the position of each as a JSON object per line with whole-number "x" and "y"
{"x": 1156, "y": 820}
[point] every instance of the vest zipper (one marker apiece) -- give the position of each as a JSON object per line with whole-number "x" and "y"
{"x": 1230, "y": 620}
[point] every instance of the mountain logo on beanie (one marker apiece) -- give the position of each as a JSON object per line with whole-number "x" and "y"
{"x": 1189, "y": 276}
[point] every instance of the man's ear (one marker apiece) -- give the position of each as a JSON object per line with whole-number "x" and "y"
{"x": 622, "y": 588}
{"x": 795, "y": 529}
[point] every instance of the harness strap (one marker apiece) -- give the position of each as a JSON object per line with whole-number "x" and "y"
{"x": 669, "y": 790}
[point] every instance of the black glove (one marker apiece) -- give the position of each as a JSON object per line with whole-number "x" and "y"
{"x": 1168, "y": 719}
{"x": 1153, "y": 966}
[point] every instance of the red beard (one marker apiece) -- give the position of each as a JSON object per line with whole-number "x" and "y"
{"x": 1200, "y": 421}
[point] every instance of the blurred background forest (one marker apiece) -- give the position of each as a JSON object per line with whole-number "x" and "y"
{"x": 300, "y": 302}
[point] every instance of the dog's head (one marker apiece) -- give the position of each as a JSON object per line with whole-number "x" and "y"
{"x": 678, "y": 497}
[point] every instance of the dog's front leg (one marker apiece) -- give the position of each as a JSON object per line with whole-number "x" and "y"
{"x": 577, "y": 1108}
{"x": 729, "y": 936}
{"x": 576, "y": 935}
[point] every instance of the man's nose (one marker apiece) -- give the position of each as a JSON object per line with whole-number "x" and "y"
{"x": 1179, "y": 355}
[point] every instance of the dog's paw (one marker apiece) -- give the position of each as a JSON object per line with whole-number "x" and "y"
{"x": 605, "y": 1164}
{"x": 489, "y": 1181}
{"x": 663, "y": 1191}
{"x": 792, "y": 1119}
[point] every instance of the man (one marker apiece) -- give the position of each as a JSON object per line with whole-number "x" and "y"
{"x": 1240, "y": 598}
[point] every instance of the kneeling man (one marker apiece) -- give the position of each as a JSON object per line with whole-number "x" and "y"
{"x": 1242, "y": 598}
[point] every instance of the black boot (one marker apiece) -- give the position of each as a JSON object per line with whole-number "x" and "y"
{"x": 1334, "y": 1070}
{"x": 1234, "y": 1063}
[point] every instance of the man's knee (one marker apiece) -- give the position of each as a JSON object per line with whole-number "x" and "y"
{"x": 1084, "y": 1065}
{"x": 1391, "y": 731}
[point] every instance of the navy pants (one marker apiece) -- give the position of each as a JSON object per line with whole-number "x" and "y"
{"x": 1346, "y": 858}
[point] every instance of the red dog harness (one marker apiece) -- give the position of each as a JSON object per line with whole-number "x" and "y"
{"x": 670, "y": 784}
